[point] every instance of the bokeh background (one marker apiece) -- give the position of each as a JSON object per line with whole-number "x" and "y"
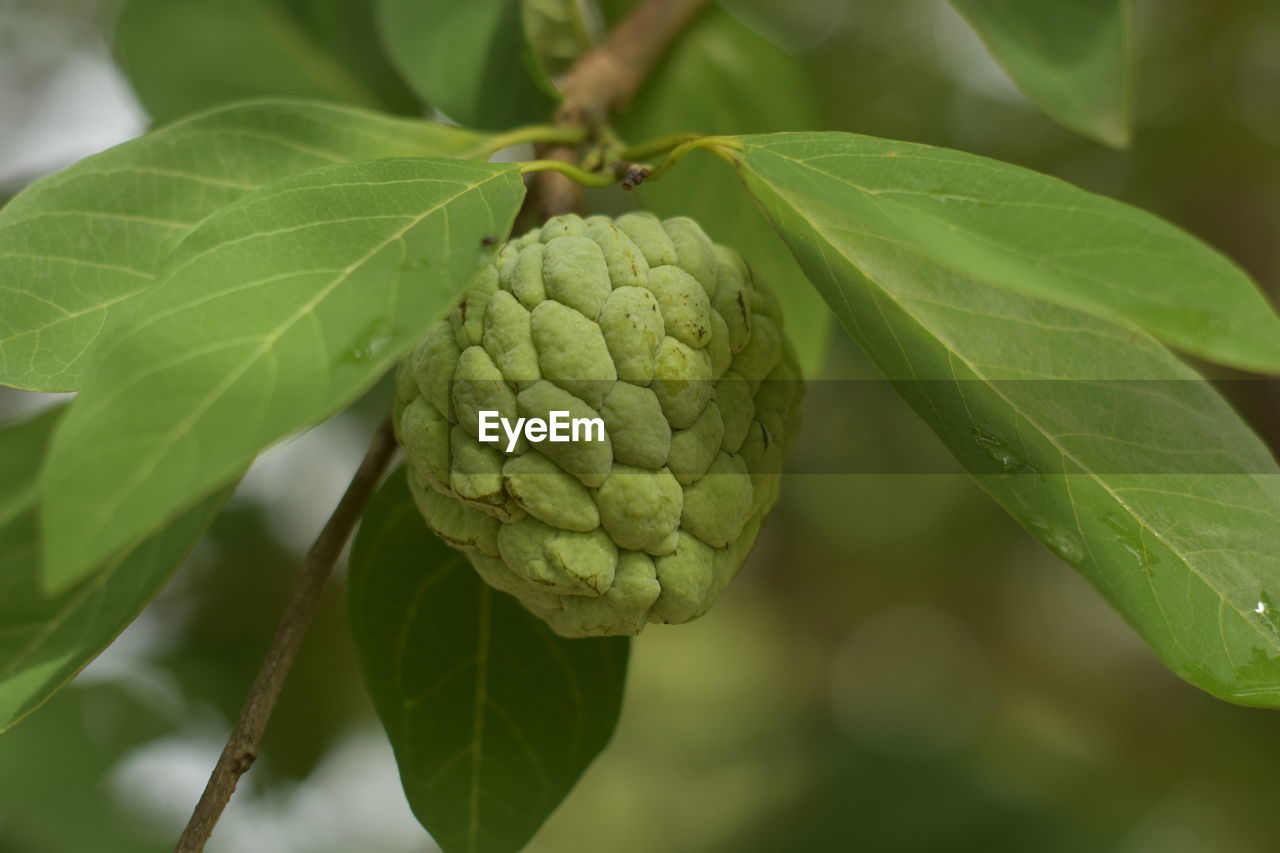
{"x": 899, "y": 668}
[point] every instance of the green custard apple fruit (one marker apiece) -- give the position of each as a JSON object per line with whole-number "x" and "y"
{"x": 668, "y": 345}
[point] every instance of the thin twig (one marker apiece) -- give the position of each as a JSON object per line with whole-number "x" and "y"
{"x": 604, "y": 81}
{"x": 242, "y": 746}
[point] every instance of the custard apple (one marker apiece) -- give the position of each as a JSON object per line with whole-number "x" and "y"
{"x": 672, "y": 345}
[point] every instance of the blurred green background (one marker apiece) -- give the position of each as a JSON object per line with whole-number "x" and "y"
{"x": 899, "y": 668}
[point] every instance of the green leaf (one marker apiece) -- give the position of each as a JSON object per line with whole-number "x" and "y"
{"x": 66, "y": 761}
{"x": 614, "y": 10}
{"x": 492, "y": 716}
{"x": 1091, "y": 434}
{"x": 190, "y": 56}
{"x": 77, "y": 246}
{"x": 46, "y": 639}
{"x": 275, "y": 313}
{"x": 720, "y": 78}
{"x": 558, "y": 33}
{"x": 1019, "y": 230}
{"x": 470, "y": 60}
{"x": 349, "y": 31}
{"x": 1069, "y": 56}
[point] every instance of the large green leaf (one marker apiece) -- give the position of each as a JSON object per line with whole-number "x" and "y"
{"x": 1093, "y": 435}
{"x": 46, "y": 639}
{"x": 720, "y": 78}
{"x": 196, "y": 54}
{"x": 471, "y": 59}
{"x": 492, "y": 716}
{"x": 76, "y": 246}
{"x": 1070, "y": 56}
{"x": 1019, "y": 230}
{"x": 275, "y": 313}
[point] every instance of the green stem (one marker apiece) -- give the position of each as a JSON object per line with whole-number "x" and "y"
{"x": 581, "y": 176}
{"x": 652, "y": 148}
{"x": 723, "y": 147}
{"x": 545, "y": 134}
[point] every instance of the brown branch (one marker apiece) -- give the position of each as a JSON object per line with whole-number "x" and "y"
{"x": 608, "y": 77}
{"x": 604, "y": 81}
{"x": 242, "y": 746}
{"x": 551, "y": 193}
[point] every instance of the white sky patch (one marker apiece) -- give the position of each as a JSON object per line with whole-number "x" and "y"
{"x": 352, "y": 801}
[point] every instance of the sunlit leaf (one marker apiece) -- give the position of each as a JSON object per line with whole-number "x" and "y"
{"x": 1070, "y": 56}
{"x": 1091, "y": 434}
{"x": 274, "y": 314}
{"x": 1019, "y": 230}
{"x": 46, "y": 639}
{"x": 722, "y": 77}
{"x": 492, "y": 716}
{"x": 77, "y": 246}
{"x": 470, "y": 60}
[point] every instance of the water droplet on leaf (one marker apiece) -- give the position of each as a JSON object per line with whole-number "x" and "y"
{"x": 1006, "y": 459}
{"x": 372, "y": 341}
{"x": 1064, "y": 543}
{"x": 1267, "y": 612}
